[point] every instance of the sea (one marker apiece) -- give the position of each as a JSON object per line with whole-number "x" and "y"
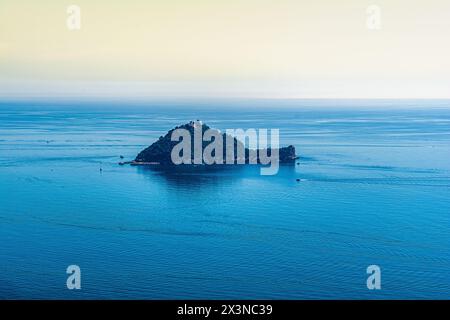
{"x": 371, "y": 187}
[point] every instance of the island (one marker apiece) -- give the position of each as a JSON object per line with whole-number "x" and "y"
{"x": 160, "y": 152}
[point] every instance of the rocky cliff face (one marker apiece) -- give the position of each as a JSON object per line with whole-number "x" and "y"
{"x": 160, "y": 151}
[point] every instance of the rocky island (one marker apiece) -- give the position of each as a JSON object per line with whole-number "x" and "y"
{"x": 160, "y": 152}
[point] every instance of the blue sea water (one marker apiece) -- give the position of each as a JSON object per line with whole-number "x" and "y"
{"x": 374, "y": 189}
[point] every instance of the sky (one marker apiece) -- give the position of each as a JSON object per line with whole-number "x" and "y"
{"x": 236, "y": 48}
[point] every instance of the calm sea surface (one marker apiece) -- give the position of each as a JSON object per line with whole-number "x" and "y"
{"x": 374, "y": 189}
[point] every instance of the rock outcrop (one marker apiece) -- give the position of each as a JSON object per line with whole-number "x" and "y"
{"x": 159, "y": 153}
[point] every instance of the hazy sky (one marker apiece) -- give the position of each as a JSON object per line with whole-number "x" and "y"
{"x": 232, "y": 48}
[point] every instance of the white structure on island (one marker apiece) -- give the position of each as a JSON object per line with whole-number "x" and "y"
{"x": 196, "y": 124}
